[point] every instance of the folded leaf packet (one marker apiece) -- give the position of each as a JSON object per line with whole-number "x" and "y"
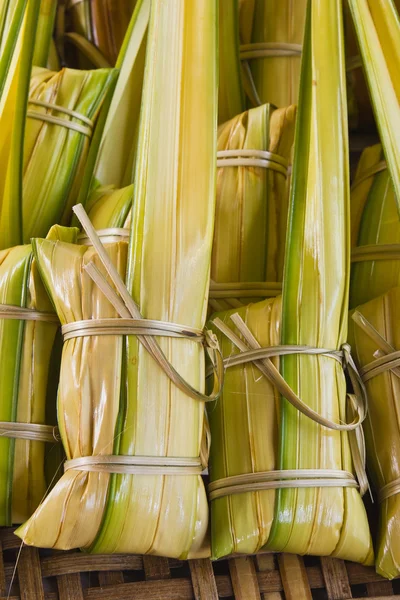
{"x": 253, "y": 156}
{"x": 247, "y": 431}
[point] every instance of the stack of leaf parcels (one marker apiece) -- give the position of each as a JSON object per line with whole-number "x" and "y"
{"x": 254, "y": 429}
{"x": 132, "y": 408}
{"x": 186, "y": 174}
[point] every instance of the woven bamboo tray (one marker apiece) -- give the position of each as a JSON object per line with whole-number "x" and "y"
{"x": 47, "y": 575}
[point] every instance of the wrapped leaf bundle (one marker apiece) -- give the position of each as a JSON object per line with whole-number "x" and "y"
{"x": 374, "y": 337}
{"x": 100, "y": 23}
{"x": 252, "y": 205}
{"x": 311, "y": 515}
{"x": 27, "y": 331}
{"x": 375, "y": 229}
{"x": 62, "y": 113}
{"x": 271, "y": 34}
{"x": 377, "y": 25}
{"x": 132, "y": 411}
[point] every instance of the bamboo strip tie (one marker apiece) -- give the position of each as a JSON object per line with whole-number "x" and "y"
{"x": 86, "y": 129}
{"x": 244, "y": 289}
{"x": 119, "y": 326}
{"x": 109, "y": 235}
{"x": 9, "y": 311}
{"x": 251, "y": 351}
{"x": 280, "y": 479}
{"x": 232, "y": 293}
{"x": 372, "y": 252}
{"x": 136, "y": 465}
{"x": 269, "y": 50}
{"x": 34, "y": 432}
{"x": 252, "y": 158}
{"x": 388, "y": 360}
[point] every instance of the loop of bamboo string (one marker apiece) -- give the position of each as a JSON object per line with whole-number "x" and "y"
{"x": 86, "y": 129}
{"x": 372, "y": 252}
{"x": 67, "y": 111}
{"x": 269, "y": 50}
{"x": 9, "y": 311}
{"x": 252, "y": 158}
{"x": 249, "y": 356}
{"x": 388, "y": 358}
{"x": 127, "y": 308}
{"x": 387, "y": 362}
{"x": 248, "y": 153}
{"x": 61, "y": 122}
{"x": 389, "y": 490}
{"x": 107, "y": 236}
{"x": 135, "y": 465}
{"x": 374, "y": 170}
{"x": 119, "y": 326}
{"x": 241, "y": 289}
{"x": 33, "y": 432}
{"x": 280, "y": 479}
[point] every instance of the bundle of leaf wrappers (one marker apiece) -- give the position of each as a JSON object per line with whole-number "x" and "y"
{"x": 191, "y": 279}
